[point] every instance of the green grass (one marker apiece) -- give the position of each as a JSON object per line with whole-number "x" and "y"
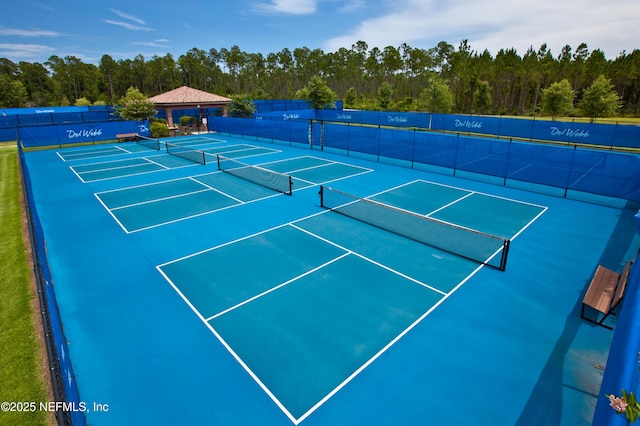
{"x": 21, "y": 372}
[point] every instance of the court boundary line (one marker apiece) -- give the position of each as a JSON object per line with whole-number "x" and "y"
{"x": 222, "y": 192}
{"x": 348, "y": 379}
{"x": 229, "y": 349}
{"x": 387, "y": 346}
{"x": 470, "y": 193}
{"x": 193, "y": 138}
{"x": 206, "y": 188}
{"x": 170, "y": 197}
{"x": 113, "y": 161}
{"x": 279, "y": 286}
{"x": 347, "y": 252}
{"x": 248, "y": 147}
{"x": 162, "y": 168}
{"x": 326, "y": 162}
{"x": 111, "y": 213}
{"x": 461, "y": 189}
{"x": 237, "y": 201}
{"x": 96, "y": 149}
{"x": 88, "y": 173}
{"x": 333, "y": 243}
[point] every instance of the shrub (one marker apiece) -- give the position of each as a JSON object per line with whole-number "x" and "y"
{"x": 159, "y": 129}
{"x": 187, "y": 120}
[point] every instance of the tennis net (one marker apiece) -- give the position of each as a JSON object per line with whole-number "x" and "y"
{"x": 484, "y": 248}
{"x": 148, "y": 142}
{"x": 258, "y": 175}
{"x": 190, "y": 154}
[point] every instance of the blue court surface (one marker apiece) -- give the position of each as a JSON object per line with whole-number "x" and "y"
{"x": 190, "y": 295}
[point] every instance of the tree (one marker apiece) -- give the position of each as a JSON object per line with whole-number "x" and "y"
{"x": 317, "y": 93}
{"x": 241, "y": 107}
{"x": 107, "y": 68}
{"x": 159, "y": 129}
{"x": 350, "y": 98}
{"x": 383, "y": 95}
{"x": 482, "y": 98}
{"x": 135, "y": 106}
{"x": 437, "y": 97}
{"x": 516, "y": 81}
{"x": 37, "y": 82}
{"x": 599, "y": 100}
{"x": 82, "y": 102}
{"x": 12, "y": 93}
{"x": 557, "y": 100}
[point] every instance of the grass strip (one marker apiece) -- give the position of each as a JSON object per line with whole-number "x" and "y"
{"x": 21, "y": 368}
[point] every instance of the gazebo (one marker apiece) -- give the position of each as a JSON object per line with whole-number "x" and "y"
{"x": 185, "y": 97}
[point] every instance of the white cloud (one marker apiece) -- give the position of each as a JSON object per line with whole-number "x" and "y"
{"x": 155, "y": 43}
{"x": 288, "y": 7}
{"x": 137, "y": 25}
{"x": 42, "y": 6}
{"x": 496, "y": 24}
{"x": 127, "y": 25}
{"x": 27, "y": 33}
{"x": 352, "y": 6}
{"x": 129, "y": 17}
{"x": 20, "y": 50}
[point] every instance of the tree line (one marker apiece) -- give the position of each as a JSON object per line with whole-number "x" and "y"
{"x": 365, "y": 77}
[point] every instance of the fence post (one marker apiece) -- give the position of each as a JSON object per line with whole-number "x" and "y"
{"x": 455, "y": 161}
{"x": 566, "y": 186}
{"x": 506, "y": 167}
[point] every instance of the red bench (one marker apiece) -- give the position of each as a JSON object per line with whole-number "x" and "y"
{"x": 605, "y": 292}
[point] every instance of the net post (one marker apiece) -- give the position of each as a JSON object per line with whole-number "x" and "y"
{"x": 505, "y": 254}
{"x": 218, "y": 160}
{"x": 290, "y": 185}
{"x": 321, "y": 194}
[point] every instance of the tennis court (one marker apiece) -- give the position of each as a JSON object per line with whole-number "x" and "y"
{"x": 156, "y": 204}
{"x": 191, "y": 294}
{"x": 288, "y": 306}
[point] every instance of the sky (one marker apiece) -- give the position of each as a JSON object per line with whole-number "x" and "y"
{"x": 34, "y": 30}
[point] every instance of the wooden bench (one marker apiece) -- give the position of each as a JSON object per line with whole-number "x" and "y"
{"x": 605, "y": 292}
{"x": 122, "y": 137}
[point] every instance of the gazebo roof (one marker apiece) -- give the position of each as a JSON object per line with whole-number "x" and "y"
{"x": 187, "y": 96}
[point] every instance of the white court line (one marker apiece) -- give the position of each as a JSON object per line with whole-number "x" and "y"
{"x": 294, "y": 420}
{"x": 271, "y": 290}
{"x": 470, "y": 192}
{"x": 111, "y": 213}
{"x": 162, "y": 167}
{"x": 142, "y": 185}
{"x": 369, "y": 260}
{"x": 141, "y": 203}
{"x": 81, "y": 151}
{"x": 585, "y": 174}
{"x": 90, "y": 172}
{"x": 348, "y": 379}
{"x": 450, "y": 204}
{"x": 230, "y": 350}
{"x": 224, "y": 244}
{"x": 241, "y": 147}
{"x": 106, "y": 151}
{"x": 202, "y": 213}
{"x": 193, "y": 178}
{"x": 333, "y": 163}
